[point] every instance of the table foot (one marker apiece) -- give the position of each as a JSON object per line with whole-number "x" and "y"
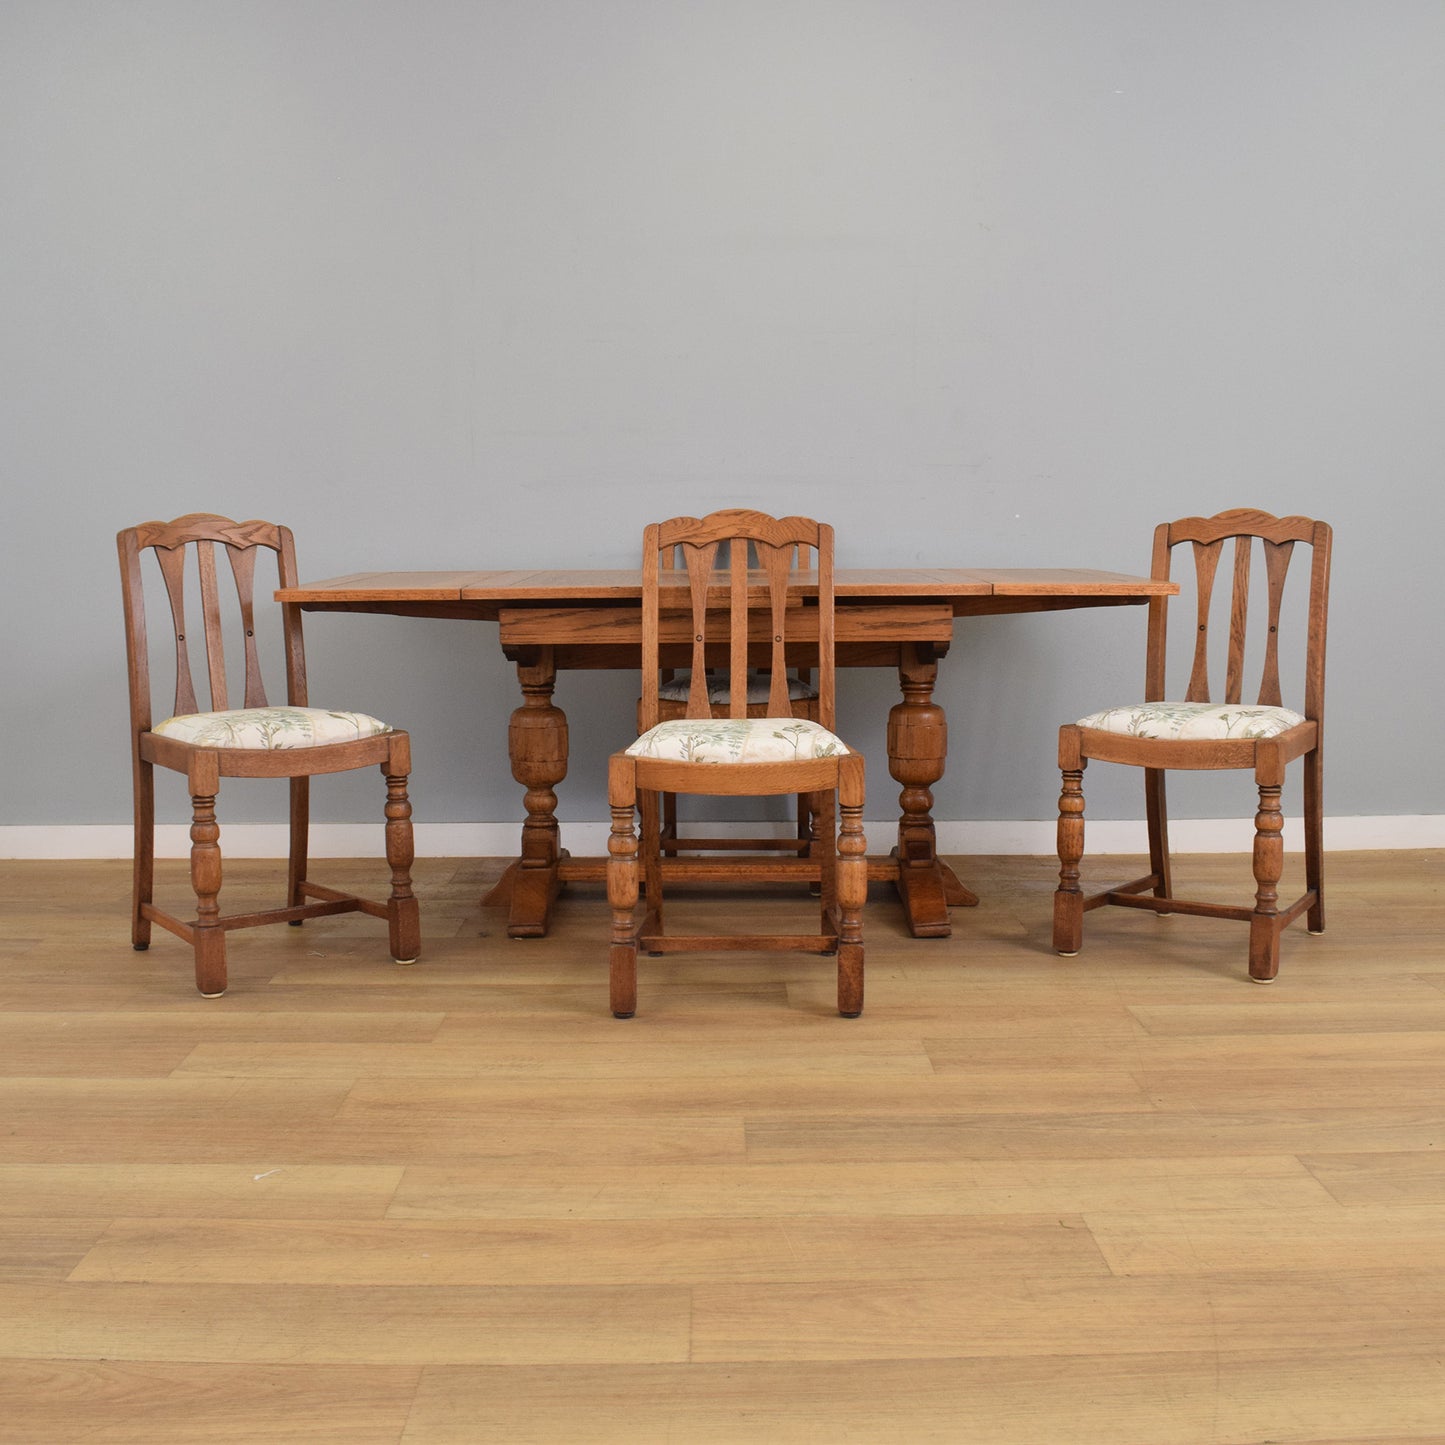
{"x": 924, "y": 895}
{"x": 528, "y": 895}
{"x": 534, "y": 890}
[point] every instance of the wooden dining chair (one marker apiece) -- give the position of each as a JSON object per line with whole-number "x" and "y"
{"x": 1201, "y": 733}
{"x": 256, "y": 740}
{"x": 755, "y": 608}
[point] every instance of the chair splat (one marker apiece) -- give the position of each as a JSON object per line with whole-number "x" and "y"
{"x": 241, "y": 542}
{"x": 243, "y": 569}
{"x": 1207, "y": 537}
{"x": 1238, "y": 620}
{"x": 1276, "y": 564}
{"x": 211, "y": 611}
{"x": 1206, "y": 563}
{"x": 777, "y": 563}
{"x": 699, "y": 563}
{"x": 172, "y": 563}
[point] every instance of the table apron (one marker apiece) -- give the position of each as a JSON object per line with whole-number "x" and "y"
{"x": 613, "y": 626}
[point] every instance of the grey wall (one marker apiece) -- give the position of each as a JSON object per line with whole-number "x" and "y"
{"x": 491, "y": 284}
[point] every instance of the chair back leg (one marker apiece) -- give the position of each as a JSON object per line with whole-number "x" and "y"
{"x": 300, "y": 830}
{"x": 1314, "y": 838}
{"x": 143, "y": 867}
{"x": 1156, "y": 811}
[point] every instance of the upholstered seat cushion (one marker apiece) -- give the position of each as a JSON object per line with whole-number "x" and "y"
{"x": 720, "y": 692}
{"x": 737, "y": 740}
{"x": 1194, "y": 720}
{"x": 270, "y": 727}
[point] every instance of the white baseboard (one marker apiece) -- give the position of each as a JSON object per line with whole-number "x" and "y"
{"x": 499, "y": 840}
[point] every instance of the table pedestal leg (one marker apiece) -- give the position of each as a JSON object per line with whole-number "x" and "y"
{"x": 537, "y": 747}
{"x": 917, "y": 748}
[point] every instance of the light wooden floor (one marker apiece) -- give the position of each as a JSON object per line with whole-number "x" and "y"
{"x": 1125, "y": 1198}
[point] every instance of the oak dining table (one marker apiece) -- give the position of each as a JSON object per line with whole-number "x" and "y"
{"x": 560, "y": 620}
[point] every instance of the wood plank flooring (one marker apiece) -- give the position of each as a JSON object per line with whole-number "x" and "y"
{"x": 1125, "y": 1199}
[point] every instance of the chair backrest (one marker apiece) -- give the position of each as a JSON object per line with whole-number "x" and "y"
{"x": 199, "y": 534}
{"x": 1276, "y": 537}
{"x": 757, "y": 599}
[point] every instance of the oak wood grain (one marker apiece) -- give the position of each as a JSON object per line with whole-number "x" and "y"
{"x": 625, "y": 584}
{"x": 1022, "y": 1200}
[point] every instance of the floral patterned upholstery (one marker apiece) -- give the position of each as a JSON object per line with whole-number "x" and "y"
{"x": 269, "y": 728}
{"x": 1193, "y": 720}
{"x": 720, "y": 692}
{"x": 737, "y": 740}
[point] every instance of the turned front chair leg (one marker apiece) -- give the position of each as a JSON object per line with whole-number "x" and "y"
{"x": 1264, "y": 925}
{"x": 852, "y": 882}
{"x": 209, "y": 938}
{"x": 403, "y": 914}
{"x": 622, "y": 887}
{"x": 1069, "y": 897}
